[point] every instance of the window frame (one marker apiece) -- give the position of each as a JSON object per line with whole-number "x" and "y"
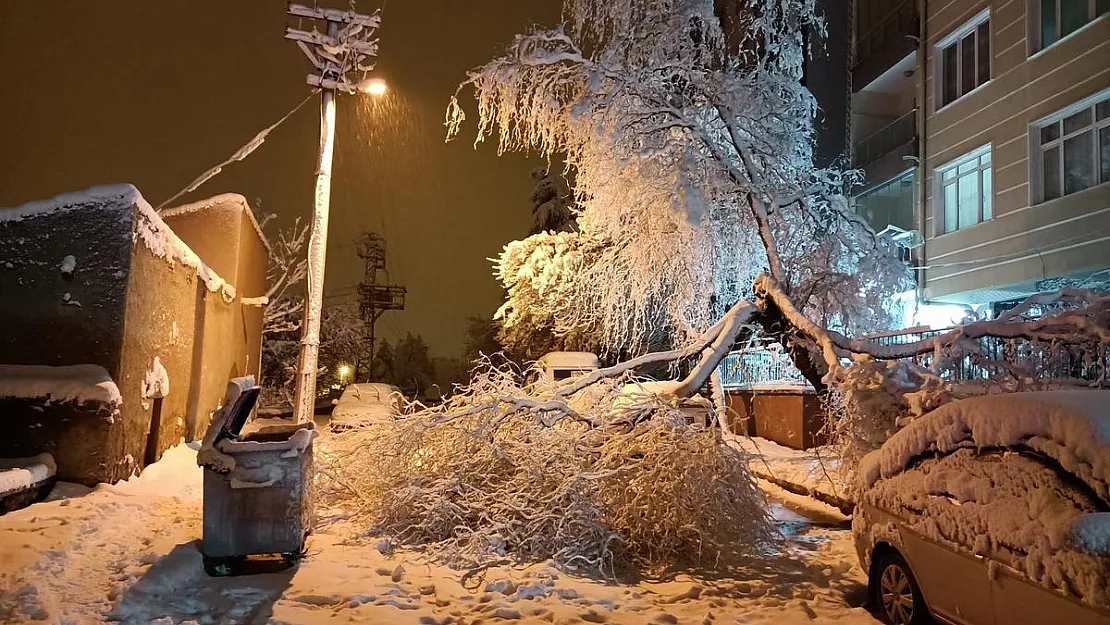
{"x": 954, "y": 38}
{"x": 1037, "y": 148}
{"x": 939, "y": 184}
{"x": 1036, "y": 31}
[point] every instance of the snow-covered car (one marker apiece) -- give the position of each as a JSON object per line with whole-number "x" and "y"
{"x": 559, "y": 366}
{"x": 365, "y": 404}
{"x": 991, "y": 510}
{"x": 697, "y": 410}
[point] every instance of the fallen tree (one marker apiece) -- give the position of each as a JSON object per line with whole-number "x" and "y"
{"x": 506, "y": 473}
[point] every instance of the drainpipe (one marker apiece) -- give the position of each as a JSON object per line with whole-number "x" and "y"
{"x": 922, "y": 143}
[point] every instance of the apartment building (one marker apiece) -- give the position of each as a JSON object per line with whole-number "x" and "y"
{"x": 1006, "y": 171}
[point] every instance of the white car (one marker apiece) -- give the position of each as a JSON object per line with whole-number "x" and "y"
{"x": 993, "y": 510}
{"x": 365, "y": 404}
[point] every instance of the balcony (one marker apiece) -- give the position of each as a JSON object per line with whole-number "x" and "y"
{"x": 887, "y": 139}
{"x": 885, "y": 35}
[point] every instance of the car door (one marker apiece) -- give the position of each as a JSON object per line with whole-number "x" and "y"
{"x": 1020, "y": 601}
{"x": 954, "y": 582}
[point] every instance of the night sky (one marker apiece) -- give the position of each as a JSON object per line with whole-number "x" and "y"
{"x": 155, "y": 93}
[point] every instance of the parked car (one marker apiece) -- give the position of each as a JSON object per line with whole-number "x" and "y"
{"x": 365, "y": 404}
{"x": 559, "y": 366}
{"x": 991, "y": 510}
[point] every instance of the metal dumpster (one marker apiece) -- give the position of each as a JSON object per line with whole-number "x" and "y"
{"x": 258, "y": 495}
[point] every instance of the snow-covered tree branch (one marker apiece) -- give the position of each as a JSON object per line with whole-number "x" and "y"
{"x": 693, "y": 172}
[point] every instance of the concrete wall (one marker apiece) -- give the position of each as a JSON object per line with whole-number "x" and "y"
{"x": 1023, "y": 242}
{"x": 223, "y": 232}
{"x": 138, "y": 302}
{"x": 39, "y": 327}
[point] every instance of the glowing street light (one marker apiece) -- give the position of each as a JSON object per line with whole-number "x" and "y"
{"x": 344, "y": 371}
{"x": 373, "y": 86}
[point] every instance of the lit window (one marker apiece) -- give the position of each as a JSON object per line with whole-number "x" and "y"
{"x": 1059, "y": 18}
{"x": 964, "y": 59}
{"x": 1072, "y": 149}
{"x": 964, "y": 191}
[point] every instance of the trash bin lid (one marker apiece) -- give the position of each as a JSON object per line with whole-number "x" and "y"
{"x": 237, "y": 416}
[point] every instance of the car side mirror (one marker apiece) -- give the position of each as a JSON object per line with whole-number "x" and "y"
{"x": 1091, "y": 533}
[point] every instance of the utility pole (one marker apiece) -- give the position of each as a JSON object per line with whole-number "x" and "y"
{"x": 374, "y": 298}
{"x": 342, "y": 57}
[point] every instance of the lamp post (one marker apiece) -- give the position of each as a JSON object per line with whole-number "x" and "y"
{"x": 342, "y": 58}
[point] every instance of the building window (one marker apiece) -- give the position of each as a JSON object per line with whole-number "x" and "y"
{"x": 1056, "y": 19}
{"x": 1072, "y": 149}
{"x": 963, "y": 59}
{"x": 963, "y": 193}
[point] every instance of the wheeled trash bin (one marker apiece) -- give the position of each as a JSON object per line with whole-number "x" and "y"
{"x": 258, "y": 495}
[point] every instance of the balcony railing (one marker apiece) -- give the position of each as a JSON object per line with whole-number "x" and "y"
{"x": 883, "y": 141}
{"x": 901, "y": 20}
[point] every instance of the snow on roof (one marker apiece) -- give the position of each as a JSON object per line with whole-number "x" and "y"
{"x": 155, "y": 234}
{"x": 219, "y": 200}
{"x": 1071, "y": 427}
{"x": 164, "y": 243}
{"x": 569, "y": 359}
{"x": 106, "y": 195}
{"x": 72, "y": 383}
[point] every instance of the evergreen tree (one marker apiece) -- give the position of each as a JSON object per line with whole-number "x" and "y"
{"x": 412, "y": 366}
{"x": 384, "y": 369}
{"x": 551, "y": 203}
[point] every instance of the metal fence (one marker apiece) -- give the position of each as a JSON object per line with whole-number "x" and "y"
{"x": 991, "y": 358}
{"x": 759, "y": 366}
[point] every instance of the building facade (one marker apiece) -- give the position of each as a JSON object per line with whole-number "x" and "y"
{"x": 987, "y": 135}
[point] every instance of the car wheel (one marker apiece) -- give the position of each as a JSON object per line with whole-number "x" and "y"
{"x": 897, "y": 594}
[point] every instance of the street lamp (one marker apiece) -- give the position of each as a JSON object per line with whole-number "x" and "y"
{"x": 373, "y": 86}
{"x": 342, "y": 57}
{"x": 344, "y": 371}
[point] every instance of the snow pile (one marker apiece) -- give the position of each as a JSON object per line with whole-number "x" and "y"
{"x": 1009, "y": 508}
{"x": 20, "y": 473}
{"x": 1071, "y": 427}
{"x": 222, "y": 199}
{"x": 79, "y": 384}
{"x": 156, "y": 383}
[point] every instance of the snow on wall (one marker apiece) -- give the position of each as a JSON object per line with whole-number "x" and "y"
{"x": 219, "y": 200}
{"x": 72, "y": 383}
{"x": 1071, "y": 427}
{"x": 156, "y": 383}
{"x": 20, "y": 473}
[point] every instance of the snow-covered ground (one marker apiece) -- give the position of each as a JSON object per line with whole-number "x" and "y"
{"x": 130, "y": 553}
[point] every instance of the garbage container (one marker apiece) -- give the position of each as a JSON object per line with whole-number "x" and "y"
{"x": 258, "y": 495}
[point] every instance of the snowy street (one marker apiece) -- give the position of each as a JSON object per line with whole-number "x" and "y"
{"x": 130, "y": 553}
